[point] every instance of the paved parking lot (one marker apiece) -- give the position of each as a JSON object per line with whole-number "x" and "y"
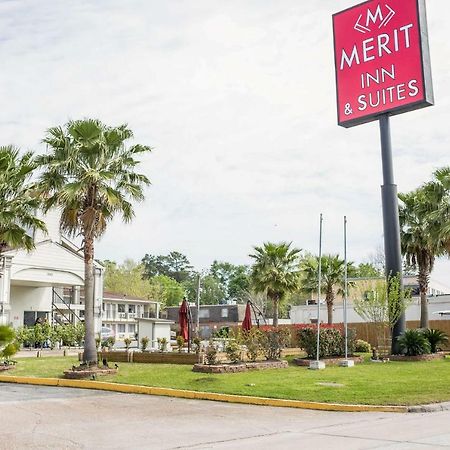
{"x": 61, "y": 418}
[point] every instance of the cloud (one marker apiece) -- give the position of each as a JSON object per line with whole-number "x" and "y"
{"x": 237, "y": 98}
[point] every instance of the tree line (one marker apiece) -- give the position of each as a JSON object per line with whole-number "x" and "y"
{"x": 169, "y": 278}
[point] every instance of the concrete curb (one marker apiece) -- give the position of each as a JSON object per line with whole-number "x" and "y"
{"x": 434, "y": 407}
{"x": 181, "y": 393}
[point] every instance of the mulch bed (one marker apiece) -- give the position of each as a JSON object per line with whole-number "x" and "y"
{"x": 333, "y": 361}
{"x": 239, "y": 367}
{"x": 6, "y": 367}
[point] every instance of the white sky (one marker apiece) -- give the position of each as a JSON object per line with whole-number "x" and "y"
{"x": 238, "y": 100}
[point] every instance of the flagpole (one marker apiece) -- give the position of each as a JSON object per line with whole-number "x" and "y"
{"x": 346, "y": 362}
{"x": 317, "y": 364}
{"x": 345, "y": 287}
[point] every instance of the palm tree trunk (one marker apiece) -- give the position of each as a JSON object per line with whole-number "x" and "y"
{"x": 90, "y": 350}
{"x": 275, "y": 312}
{"x": 330, "y": 301}
{"x": 423, "y": 279}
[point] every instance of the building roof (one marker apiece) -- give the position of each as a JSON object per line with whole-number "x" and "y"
{"x": 107, "y": 295}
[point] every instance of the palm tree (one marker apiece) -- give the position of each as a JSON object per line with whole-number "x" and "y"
{"x": 438, "y": 193}
{"x": 276, "y": 272}
{"x": 18, "y": 204}
{"x": 333, "y": 268}
{"x": 89, "y": 174}
{"x": 419, "y": 242}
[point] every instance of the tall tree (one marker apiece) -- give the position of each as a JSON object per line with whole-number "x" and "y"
{"x": 333, "y": 268}
{"x": 89, "y": 173}
{"x": 174, "y": 265}
{"x": 234, "y": 279}
{"x": 419, "y": 240}
{"x": 276, "y": 272}
{"x": 18, "y": 202}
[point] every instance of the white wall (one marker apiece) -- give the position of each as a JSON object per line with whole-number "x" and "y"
{"x": 26, "y": 298}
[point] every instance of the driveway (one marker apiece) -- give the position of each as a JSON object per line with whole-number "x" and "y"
{"x": 62, "y": 418}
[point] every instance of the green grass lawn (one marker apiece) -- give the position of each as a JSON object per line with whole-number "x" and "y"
{"x": 393, "y": 383}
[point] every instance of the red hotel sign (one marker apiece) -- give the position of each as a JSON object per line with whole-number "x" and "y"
{"x": 381, "y": 59}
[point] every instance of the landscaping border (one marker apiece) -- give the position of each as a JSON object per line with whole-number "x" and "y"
{"x": 198, "y": 395}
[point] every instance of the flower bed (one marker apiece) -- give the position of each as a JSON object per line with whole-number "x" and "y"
{"x": 240, "y": 367}
{"x": 330, "y": 361}
{"x": 78, "y": 373}
{"x": 427, "y": 357}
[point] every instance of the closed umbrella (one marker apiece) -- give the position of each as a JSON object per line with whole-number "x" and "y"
{"x": 247, "y": 322}
{"x": 183, "y": 319}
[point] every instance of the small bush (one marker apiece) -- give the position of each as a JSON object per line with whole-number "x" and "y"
{"x": 273, "y": 341}
{"x": 162, "y": 344}
{"x": 331, "y": 341}
{"x": 180, "y": 343}
{"x": 252, "y": 341}
{"x": 435, "y": 338}
{"x": 413, "y": 343}
{"x": 144, "y": 343}
{"x": 233, "y": 351}
{"x": 127, "y": 342}
{"x": 362, "y": 346}
{"x": 211, "y": 354}
{"x": 197, "y": 344}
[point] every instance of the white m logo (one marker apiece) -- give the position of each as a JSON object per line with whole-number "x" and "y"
{"x": 374, "y": 18}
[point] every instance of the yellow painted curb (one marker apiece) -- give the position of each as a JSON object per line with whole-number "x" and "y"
{"x": 181, "y": 393}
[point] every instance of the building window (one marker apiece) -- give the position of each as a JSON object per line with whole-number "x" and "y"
{"x": 120, "y": 308}
{"x": 131, "y": 328}
{"x": 203, "y": 313}
{"x": 224, "y": 312}
{"x": 132, "y": 309}
{"x": 121, "y": 328}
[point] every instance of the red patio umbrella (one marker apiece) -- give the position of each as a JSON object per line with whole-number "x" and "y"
{"x": 183, "y": 319}
{"x": 247, "y": 322}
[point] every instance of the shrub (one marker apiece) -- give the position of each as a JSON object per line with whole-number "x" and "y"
{"x": 8, "y": 343}
{"x": 180, "y": 343}
{"x": 211, "y": 354}
{"x": 25, "y": 336}
{"x": 435, "y": 338}
{"x": 233, "y": 351}
{"x": 331, "y": 341}
{"x": 252, "y": 340}
{"x": 127, "y": 342}
{"x": 144, "y": 343}
{"x": 273, "y": 341}
{"x": 78, "y": 334}
{"x": 197, "y": 344}
{"x": 362, "y": 346}
{"x": 162, "y": 344}
{"x": 413, "y": 343}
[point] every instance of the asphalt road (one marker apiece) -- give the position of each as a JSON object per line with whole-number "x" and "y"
{"x": 36, "y": 417}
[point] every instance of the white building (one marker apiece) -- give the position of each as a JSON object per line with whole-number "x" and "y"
{"x": 438, "y": 300}
{"x": 35, "y": 284}
{"x": 120, "y": 313}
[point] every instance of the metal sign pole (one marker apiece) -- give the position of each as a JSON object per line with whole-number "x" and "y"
{"x": 391, "y": 223}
